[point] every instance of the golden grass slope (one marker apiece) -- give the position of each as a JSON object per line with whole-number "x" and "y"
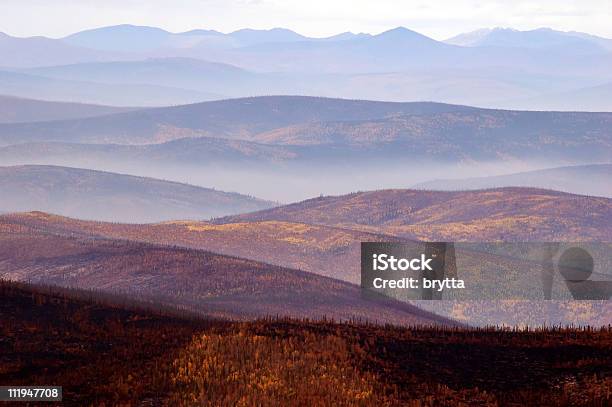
{"x": 329, "y": 251}
{"x": 506, "y": 214}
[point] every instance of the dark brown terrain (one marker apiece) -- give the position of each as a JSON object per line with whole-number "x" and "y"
{"x": 107, "y": 350}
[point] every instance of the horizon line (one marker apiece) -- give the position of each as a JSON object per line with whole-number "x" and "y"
{"x": 306, "y": 37}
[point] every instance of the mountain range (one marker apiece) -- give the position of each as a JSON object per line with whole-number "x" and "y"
{"x": 30, "y": 86}
{"x": 540, "y": 38}
{"x": 490, "y": 68}
{"x": 130, "y": 38}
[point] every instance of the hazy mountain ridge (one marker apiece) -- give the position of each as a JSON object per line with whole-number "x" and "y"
{"x": 128, "y": 37}
{"x": 448, "y": 132}
{"x": 174, "y": 73}
{"x": 233, "y": 118}
{"x": 525, "y": 66}
{"x": 537, "y": 39}
{"x": 99, "y": 195}
{"x": 590, "y": 98}
{"x": 478, "y": 135}
{"x": 41, "y": 51}
{"x": 187, "y": 150}
{"x": 289, "y": 148}
{"x": 19, "y": 84}
{"x": 568, "y": 179}
{"x": 15, "y": 110}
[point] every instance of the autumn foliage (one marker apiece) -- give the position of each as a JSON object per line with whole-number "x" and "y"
{"x": 108, "y": 350}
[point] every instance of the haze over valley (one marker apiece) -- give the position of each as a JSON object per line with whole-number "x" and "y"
{"x": 88, "y": 194}
{"x": 289, "y": 148}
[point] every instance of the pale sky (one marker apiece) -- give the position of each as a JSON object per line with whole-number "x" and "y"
{"x": 318, "y": 18}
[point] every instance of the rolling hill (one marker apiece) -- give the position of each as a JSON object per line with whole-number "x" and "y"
{"x": 173, "y": 73}
{"x": 15, "y": 110}
{"x": 107, "y": 196}
{"x": 594, "y": 98}
{"x": 323, "y": 250}
{"x": 482, "y": 135}
{"x": 111, "y": 351}
{"x": 567, "y": 179}
{"x": 199, "y": 281}
{"x": 508, "y": 214}
{"x": 334, "y": 252}
{"x": 196, "y": 151}
{"x": 290, "y": 148}
{"x": 16, "y": 83}
{"x": 356, "y": 129}
{"x": 234, "y": 118}
{"x": 504, "y": 214}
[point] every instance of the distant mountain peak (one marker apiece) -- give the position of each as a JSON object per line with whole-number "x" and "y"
{"x": 275, "y": 29}
{"x": 538, "y": 38}
{"x": 120, "y": 28}
{"x": 344, "y": 36}
{"x": 504, "y": 29}
{"x": 403, "y": 33}
{"x": 399, "y": 30}
{"x": 123, "y": 38}
{"x": 251, "y": 36}
{"x": 201, "y": 31}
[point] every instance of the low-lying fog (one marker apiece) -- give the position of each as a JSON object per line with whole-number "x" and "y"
{"x": 285, "y": 184}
